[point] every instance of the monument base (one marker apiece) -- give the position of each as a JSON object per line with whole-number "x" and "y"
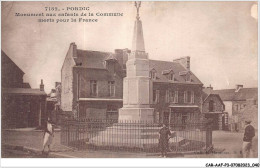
{"x": 132, "y": 135}
{"x": 136, "y": 114}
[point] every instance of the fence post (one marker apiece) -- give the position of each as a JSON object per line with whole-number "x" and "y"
{"x": 208, "y": 137}
{"x": 68, "y": 134}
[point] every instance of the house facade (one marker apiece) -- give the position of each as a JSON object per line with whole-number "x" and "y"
{"x": 213, "y": 108}
{"x": 92, "y": 83}
{"x": 92, "y": 86}
{"x": 22, "y": 106}
{"x": 177, "y": 92}
{"x": 236, "y": 102}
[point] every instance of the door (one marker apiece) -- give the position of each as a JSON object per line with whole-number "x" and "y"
{"x": 166, "y": 117}
{"x": 184, "y": 118}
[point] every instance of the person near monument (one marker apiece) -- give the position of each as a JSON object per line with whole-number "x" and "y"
{"x": 247, "y": 140}
{"x": 48, "y": 135}
{"x": 164, "y": 136}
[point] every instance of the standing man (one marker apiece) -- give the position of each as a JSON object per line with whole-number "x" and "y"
{"x": 164, "y": 136}
{"x": 48, "y": 135}
{"x": 247, "y": 140}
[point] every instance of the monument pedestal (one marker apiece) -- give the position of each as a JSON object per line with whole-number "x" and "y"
{"x": 136, "y": 114}
{"x": 132, "y": 135}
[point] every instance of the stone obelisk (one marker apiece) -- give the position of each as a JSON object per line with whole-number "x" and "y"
{"x": 137, "y": 86}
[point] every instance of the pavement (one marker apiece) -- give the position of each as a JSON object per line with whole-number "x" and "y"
{"x": 28, "y": 143}
{"x": 228, "y": 145}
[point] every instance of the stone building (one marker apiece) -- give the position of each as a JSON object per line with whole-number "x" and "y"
{"x": 22, "y": 106}
{"x": 236, "y": 101}
{"x": 177, "y": 92}
{"x": 213, "y": 108}
{"x": 92, "y": 85}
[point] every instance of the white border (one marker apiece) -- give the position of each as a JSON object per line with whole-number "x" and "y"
{"x": 147, "y": 162}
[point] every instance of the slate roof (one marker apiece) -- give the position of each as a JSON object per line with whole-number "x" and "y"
{"x": 26, "y": 85}
{"x": 206, "y": 94}
{"x": 91, "y": 59}
{"x": 6, "y": 61}
{"x": 161, "y": 66}
{"x": 242, "y": 95}
{"x": 23, "y": 91}
{"x": 96, "y": 59}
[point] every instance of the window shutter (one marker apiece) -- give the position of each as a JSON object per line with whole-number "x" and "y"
{"x": 185, "y": 96}
{"x": 176, "y": 97}
{"x": 167, "y": 96}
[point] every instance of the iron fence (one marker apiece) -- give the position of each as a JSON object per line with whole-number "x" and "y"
{"x": 133, "y": 135}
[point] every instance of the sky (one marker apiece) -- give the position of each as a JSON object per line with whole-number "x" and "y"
{"x": 219, "y": 37}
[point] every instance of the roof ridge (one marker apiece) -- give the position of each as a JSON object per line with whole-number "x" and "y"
{"x": 163, "y": 61}
{"x": 235, "y": 89}
{"x": 95, "y": 51}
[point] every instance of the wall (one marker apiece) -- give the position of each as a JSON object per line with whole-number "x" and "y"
{"x": 102, "y": 77}
{"x": 163, "y": 106}
{"x": 66, "y": 81}
{"x": 20, "y": 111}
{"x": 228, "y": 107}
{"x": 81, "y": 85}
{"x": 197, "y": 89}
{"x": 11, "y": 74}
{"x": 217, "y": 102}
{"x": 238, "y": 106}
{"x": 98, "y": 110}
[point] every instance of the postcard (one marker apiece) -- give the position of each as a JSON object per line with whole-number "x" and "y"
{"x": 161, "y": 81}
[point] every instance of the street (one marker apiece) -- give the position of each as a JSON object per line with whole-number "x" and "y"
{"x": 226, "y": 144}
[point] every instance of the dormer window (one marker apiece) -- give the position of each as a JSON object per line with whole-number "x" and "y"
{"x": 186, "y": 75}
{"x": 187, "y": 78}
{"x": 169, "y": 74}
{"x": 153, "y": 74}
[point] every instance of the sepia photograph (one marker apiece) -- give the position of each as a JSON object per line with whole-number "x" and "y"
{"x": 130, "y": 79}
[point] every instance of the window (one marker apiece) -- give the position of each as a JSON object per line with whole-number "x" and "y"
{"x": 111, "y": 88}
{"x": 188, "y": 97}
{"x": 171, "y": 76}
{"x": 167, "y": 100}
{"x": 185, "y": 97}
{"x": 242, "y": 106}
{"x": 188, "y": 77}
{"x": 112, "y": 112}
{"x": 152, "y": 74}
{"x": 173, "y": 96}
{"x": 176, "y": 97}
{"x": 236, "y": 107}
{"x": 156, "y": 94}
{"x": 112, "y": 108}
{"x": 93, "y": 88}
{"x": 192, "y": 97}
{"x": 211, "y": 106}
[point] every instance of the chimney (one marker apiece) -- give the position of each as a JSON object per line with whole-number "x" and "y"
{"x": 210, "y": 87}
{"x": 184, "y": 61}
{"x": 41, "y": 86}
{"x": 238, "y": 87}
{"x": 73, "y": 49}
{"x": 119, "y": 56}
